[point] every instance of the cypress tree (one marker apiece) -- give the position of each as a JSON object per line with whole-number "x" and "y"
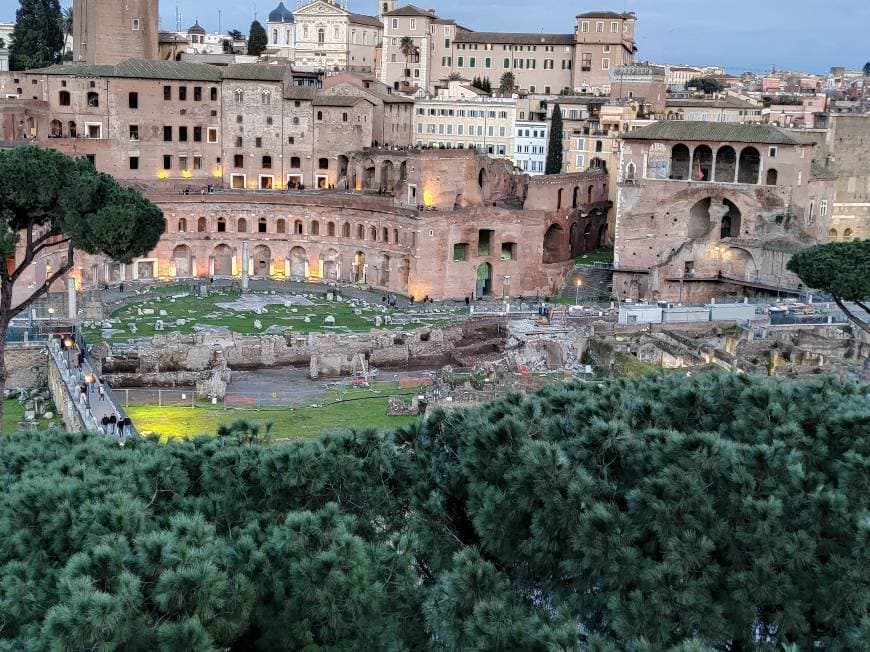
{"x": 257, "y": 39}
{"x": 554, "y": 147}
{"x": 37, "y": 40}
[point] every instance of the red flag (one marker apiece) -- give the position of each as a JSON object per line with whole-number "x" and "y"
{"x": 700, "y": 172}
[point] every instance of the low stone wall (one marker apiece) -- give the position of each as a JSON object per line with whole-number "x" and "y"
{"x": 26, "y": 366}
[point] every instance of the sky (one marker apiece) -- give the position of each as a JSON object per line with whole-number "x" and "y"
{"x": 740, "y": 35}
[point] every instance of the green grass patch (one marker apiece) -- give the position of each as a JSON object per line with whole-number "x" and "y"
{"x": 367, "y": 410}
{"x": 13, "y": 414}
{"x": 597, "y": 256}
{"x": 204, "y": 311}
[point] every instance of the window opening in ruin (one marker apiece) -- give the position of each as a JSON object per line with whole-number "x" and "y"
{"x": 484, "y": 242}
{"x": 508, "y": 250}
{"x": 726, "y": 165}
{"x": 772, "y": 177}
{"x": 750, "y": 164}
{"x": 261, "y": 225}
{"x": 680, "y": 162}
{"x": 460, "y": 251}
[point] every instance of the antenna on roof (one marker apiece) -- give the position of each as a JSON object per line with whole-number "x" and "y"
{"x": 177, "y": 17}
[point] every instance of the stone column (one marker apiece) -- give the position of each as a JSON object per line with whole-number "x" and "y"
{"x": 71, "y": 298}
{"x": 245, "y": 262}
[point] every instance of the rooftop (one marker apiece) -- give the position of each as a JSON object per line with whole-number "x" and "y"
{"x": 685, "y": 130}
{"x": 411, "y": 10}
{"x": 281, "y": 14}
{"x": 362, "y": 19}
{"x": 256, "y": 72}
{"x": 514, "y": 38}
{"x": 629, "y": 15}
{"x": 138, "y": 69}
{"x": 717, "y": 103}
{"x": 339, "y": 100}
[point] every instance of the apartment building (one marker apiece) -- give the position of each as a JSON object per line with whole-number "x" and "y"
{"x": 486, "y": 124}
{"x": 716, "y": 109}
{"x": 530, "y": 153}
{"x": 168, "y": 124}
{"x": 541, "y": 63}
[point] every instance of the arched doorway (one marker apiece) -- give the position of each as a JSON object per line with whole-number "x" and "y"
{"x": 342, "y": 171}
{"x": 298, "y": 258}
{"x": 483, "y": 286}
{"x": 750, "y": 164}
{"x": 405, "y": 272}
{"x": 384, "y": 271}
{"x": 223, "y": 261}
{"x": 703, "y": 163}
{"x": 554, "y": 240}
{"x": 681, "y": 162}
{"x": 387, "y": 180}
{"x": 772, "y": 177}
{"x": 369, "y": 175}
{"x": 573, "y": 239}
{"x": 726, "y": 164}
{"x": 181, "y": 258}
{"x": 330, "y": 265}
{"x": 575, "y": 201}
{"x": 602, "y": 234}
{"x": 359, "y": 267}
{"x": 262, "y": 261}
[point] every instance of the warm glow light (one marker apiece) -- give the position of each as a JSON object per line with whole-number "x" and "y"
{"x": 579, "y": 282}
{"x": 186, "y": 174}
{"x": 163, "y": 174}
{"x": 358, "y": 186}
{"x": 217, "y": 174}
{"x": 428, "y": 196}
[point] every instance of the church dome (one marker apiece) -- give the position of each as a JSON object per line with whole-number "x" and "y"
{"x": 196, "y": 29}
{"x": 281, "y": 15}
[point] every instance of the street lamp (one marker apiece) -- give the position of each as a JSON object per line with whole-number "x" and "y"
{"x": 50, "y": 317}
{"x": 579, "y": 284}
{"x": 89, "y": 381}
{"x": 68, "y": 345}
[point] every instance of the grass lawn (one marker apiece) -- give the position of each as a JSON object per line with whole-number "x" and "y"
{"x": 13, "y": 413}
{"x": 287, "y": 423}
{"x": 205, "y": 311}
{"x": 597, "y": 256}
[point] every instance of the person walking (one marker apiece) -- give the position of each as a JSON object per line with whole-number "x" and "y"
{"x": 101, "y": 392}
{"x": 113, "y": 423}
{"x": 83, "y": 395}
{"x": 104, "y": 422}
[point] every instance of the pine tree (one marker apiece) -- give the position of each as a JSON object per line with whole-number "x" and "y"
{"x": 37, "y": 40}
{"x": 554, "y": 147}
{"x": 257, "y": 39}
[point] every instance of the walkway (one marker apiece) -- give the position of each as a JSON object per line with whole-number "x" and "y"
{"x": 74, "y": 376}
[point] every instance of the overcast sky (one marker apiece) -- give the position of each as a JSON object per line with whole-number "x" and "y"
{"x": 739, "y": 34}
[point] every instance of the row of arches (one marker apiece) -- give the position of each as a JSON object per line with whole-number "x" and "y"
{"x": 848, "y": 235}
{"x": 576, "y": 197}
{"x": 558, "y": 249}
{"x": 727, "y": 165}
{"x": 369, "y": 175}
{"x": 56, "y": 129}
{"x": 298, "y": 227}
{"x": 224, "y": 261}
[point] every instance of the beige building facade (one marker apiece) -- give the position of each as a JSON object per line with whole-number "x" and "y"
{"x": 579, "y": 61}
{"x": 329, "y": 37}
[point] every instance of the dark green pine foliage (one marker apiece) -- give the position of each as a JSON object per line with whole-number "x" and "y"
{"x": 37, "y": 39}
{"x": 257, "y": 39}
{"x": 717, "y": 512}
{"x": 841, "y": 269}
{"x": 553, "y": 164}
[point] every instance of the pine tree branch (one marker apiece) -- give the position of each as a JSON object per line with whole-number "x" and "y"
{"x": 853, "y": 318}
{"x": 43, "y": 290}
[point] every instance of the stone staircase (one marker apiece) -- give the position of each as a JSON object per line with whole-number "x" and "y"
{"x": 596, "y": 283}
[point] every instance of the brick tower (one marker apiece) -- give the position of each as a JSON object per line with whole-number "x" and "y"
{"x": 106, "y": 32}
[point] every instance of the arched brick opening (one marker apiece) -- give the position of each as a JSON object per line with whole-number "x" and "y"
{"x": 223, "y": 261}
{"x": 298, "y": 259}
{"x": 554, "y": 244}
{"x": 262, "y": 260}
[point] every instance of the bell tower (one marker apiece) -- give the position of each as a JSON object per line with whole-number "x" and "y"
{"x": 385, "y": 6}
{"x": 106, "y": 32}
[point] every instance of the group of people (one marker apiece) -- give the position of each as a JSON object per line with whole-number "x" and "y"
{"x": 114, "y": 426}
